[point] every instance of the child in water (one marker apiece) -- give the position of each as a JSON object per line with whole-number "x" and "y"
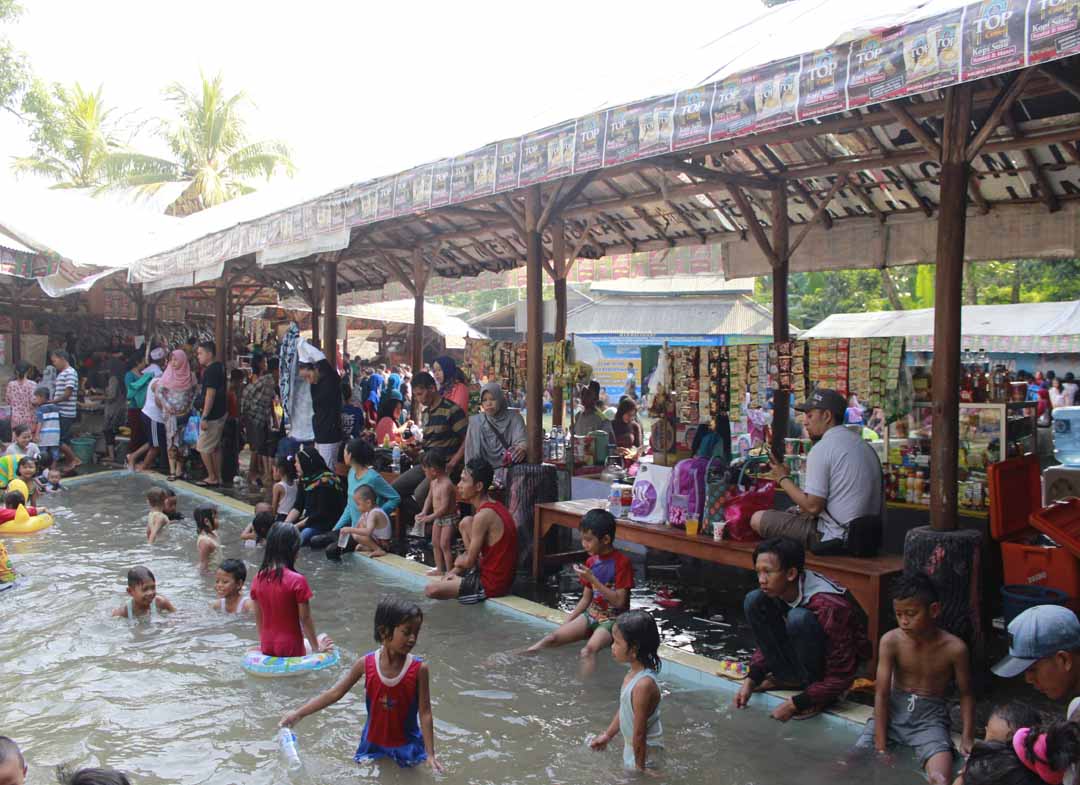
{"x": 229, "y": 585}
{"x": 25, "y": 481}
{"x": 637, "y": 643}
{"x": 396, "y": 687}
{"x": 143, "y": 600}
{"x": 255, "y": 532}
{"x": 156, "y": 519}
{"x": 206, "y": 526}
{"x": 373, "y": 534}
{"x": 12, "y": 763}
{"x": 281, "y": 598}
{"x": 13, "y": 500}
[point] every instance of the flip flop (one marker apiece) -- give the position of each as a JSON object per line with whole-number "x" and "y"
{"x": 171, "y": 478}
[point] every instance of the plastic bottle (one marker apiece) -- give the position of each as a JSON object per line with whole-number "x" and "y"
{"x": 395, "y": 459}
{"x": 290, "y": 752}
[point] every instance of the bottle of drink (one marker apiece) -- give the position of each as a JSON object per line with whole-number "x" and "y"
{"x": 290, "y": 753}
{"x": 395, "y": 458}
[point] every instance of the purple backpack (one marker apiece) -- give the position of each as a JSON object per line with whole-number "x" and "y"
{"x": 688, "y": 480}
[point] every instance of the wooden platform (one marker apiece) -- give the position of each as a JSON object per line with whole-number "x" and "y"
{"x": 866, "y": 579}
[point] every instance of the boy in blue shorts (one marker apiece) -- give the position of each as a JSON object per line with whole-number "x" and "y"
{"x": 46, "y": 424}
{"x": 607, "y": 578}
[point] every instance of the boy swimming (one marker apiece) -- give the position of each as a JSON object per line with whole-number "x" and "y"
{"x": 229, "y": 585}
{"x": 156, "y": 519}
{"x": 916, "y": 664}
{"x": 143, "y": 600}
{"x": 12, "y": 763}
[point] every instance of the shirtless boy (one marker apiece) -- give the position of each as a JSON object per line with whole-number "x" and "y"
{"x": 916, "y": 665}
{"x": 440, "y": 508}
{"x": 143, "y": 599}
{"x": 157, "y": 519}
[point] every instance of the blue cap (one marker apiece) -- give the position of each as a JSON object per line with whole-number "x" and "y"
{"x": 1036, "y": 633}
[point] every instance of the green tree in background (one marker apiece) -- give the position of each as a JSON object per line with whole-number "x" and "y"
{"x": 21, "y": 93}
{"x": 74, "y": 136}
{"x": 210, "y": 149}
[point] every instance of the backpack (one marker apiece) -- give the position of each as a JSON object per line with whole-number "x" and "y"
{"x": 688, "y": 481}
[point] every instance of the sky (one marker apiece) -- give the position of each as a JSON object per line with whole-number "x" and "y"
{"x": 363, "y": 89}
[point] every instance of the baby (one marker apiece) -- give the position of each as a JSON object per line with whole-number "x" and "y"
{"x": 143, "y": 600}
{"x": 372, "y": 537}
{"x": 156, "y": 519}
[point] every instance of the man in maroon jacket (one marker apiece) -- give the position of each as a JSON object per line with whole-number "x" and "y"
{"x": 810, "y": 634}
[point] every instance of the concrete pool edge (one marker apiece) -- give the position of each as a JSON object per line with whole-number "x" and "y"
{"x": 693, "y": 669}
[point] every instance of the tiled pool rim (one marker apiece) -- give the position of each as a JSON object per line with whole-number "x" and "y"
{"x": 692, "y": 669}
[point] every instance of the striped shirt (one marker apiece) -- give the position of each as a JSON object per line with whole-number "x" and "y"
{"x": 444, "y": 427}
{"x": 67, "y": 379}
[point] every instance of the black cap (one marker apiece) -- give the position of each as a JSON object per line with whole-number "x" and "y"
{"x": 826, "y": 400}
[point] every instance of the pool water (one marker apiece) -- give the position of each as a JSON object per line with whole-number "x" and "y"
{"x": 167, "y": 702}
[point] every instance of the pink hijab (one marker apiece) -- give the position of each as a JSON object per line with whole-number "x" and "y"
{"x": 178, "y": 378}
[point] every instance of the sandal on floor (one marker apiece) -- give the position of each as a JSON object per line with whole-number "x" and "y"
{"x": 172, "y": 478}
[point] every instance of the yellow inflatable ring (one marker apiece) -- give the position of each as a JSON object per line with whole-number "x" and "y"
{"x": 24, "y": 523}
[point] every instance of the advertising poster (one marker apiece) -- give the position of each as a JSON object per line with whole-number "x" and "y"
{"x": 693, "y": 117}
{"x": 589, "y": 142}
{"x": 776, "y": 94}
{"x": 440, "y": 182}
{"x": 1053, "y": 28}
{"x": 413, "y": 190}
{"x": 733, "y": 107}
{"x": 875, "y": 68}
{"x": 473, "y": 174}
{"x": 932, "y": 52}
{"x": 993, "y": 37}
{"x": 361, "y": 209}
{"x": 639, "y": 130}
{"x": 548, "y": 154}
{"x": 385, "y": 197}
{"x": 823, "y": 82}
{"x": 507, "y": 164}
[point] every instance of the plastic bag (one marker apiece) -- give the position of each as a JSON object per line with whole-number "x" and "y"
{"x": 191, "y": 430}
{"x": 747, "y": 497}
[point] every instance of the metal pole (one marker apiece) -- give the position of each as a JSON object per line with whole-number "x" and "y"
{"x": 534, "y": 279}
{"x": 559, "y": 260}
{"x": 780, "y": 245}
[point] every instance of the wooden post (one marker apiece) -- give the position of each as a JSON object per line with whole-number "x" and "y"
{"x": 560, "y": 262}
{"x": 221, "y": 304}
{"x": 16, "y": 330}
{"x": 420, "y": 284}
{"x": 948, "y": 298}
{"x": 329, "y": 273}
{"x": 149, "y": 315}
{"x": 780, "y": 246}
{"x": 316, "y": 306}
{"x": 226, "y": 352}
{"x": 534, "y": 340}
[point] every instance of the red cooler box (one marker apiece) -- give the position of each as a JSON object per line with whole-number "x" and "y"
{"x": 1016, "y": 519}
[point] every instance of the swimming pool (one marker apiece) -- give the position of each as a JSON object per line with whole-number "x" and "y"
{"x": 167, "y": 701}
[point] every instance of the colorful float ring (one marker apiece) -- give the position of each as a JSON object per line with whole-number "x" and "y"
{"x": 29, "y": 525}
{"x": 258, "y": 664}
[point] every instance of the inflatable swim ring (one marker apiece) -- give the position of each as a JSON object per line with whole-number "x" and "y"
{"x": 258, "y": 664}
{"x": 24, "y": 523}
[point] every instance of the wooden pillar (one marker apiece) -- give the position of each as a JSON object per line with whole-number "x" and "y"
{"x": 221, "y": 303}
{"x": 560, "y": 262}
{"x": 781, "y": 250}
{"x": 948, "y": 298}
{"x": 329, "y": 275}
{"x": 230, "y": 330}
{"x": 316, "y": 306}
{"x": 149, "y": 322}
{"x": 420, "y": 285}
{"x": 16, "y": 331}
{"x": 534, "y": 340}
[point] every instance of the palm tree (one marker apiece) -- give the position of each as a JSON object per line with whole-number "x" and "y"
{"x": 210, "y": 151}
{"x": 74, "y": 139}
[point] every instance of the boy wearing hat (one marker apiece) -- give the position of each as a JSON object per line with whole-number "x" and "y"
{"x": 843, "y": 479}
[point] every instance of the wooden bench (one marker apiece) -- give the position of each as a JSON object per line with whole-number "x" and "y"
{"x": 866, "y": 579}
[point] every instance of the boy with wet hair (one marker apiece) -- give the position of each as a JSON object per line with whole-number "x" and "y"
{"x": 66, "y": 776}
{"x": 607, "y": 578}
{"x": 143, "y": 599}
{"x": 12, "y": 763}
{"x": 916, "y": 664}
{"x": 156, "y": 519}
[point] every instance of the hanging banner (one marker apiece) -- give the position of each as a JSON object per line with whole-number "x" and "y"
{"x": 639, "y": 130}
{"x": 385, "y": 197}
{"x": 548, "y": 154}
{"x": 776, "y": 94}
{"x": 589, "y": 142}
{"x": 413, "y": 191}
{"x": 440, "y": 183}
{"x": 473, "y": 174}
{"x": 1053, "y": 29}
{"x": 993, "y": 37}
{"x": 823, "y": 82}
{"x": 693, "y": 117}
{"x": 733, "y": 107}
{"x": 507, "y": 164}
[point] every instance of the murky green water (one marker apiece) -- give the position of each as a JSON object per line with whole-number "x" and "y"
{"x": 167, "y": 701}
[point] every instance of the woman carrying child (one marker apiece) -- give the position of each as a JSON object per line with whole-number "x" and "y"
{"x": 282, "y": 596}
{"x": 175, "y": 393}
{"x": 320, "y": 500}
{"x": 397, "y": 689}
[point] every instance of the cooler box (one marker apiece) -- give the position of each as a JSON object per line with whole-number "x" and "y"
{"x": 1060, "y": 482}
{"x": 1016, "y": 521}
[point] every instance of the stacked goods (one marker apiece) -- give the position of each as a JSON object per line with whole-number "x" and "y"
{"x": 738, "y": 362}
{"x": 859, "y": 363}
{"x": 685, "y": 383}
{"x": 718, "y": 376}
{"x": 829, "y": 364}
{"x": 787, "y": 368}
{"x": 758, "y": 374}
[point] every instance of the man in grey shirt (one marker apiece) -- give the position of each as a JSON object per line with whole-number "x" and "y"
{"x": 843, "y": 479}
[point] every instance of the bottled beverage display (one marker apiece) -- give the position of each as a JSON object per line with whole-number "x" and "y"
{"x": 290, "y": 752}
{"x": 395, "y": 459}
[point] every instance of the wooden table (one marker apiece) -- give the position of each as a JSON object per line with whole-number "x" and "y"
{"x": 866, "y": 579}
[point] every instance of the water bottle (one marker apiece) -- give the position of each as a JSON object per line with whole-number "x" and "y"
{"x": 396, "y": 459}
{"x": 1067, "y": 434}
{"x": 290, "y": 753}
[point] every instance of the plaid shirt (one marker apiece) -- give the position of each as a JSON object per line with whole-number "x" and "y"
{"x": 258, "y": 401}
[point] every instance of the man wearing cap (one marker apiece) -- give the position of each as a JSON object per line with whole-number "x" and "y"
{"x": 843, "y": 479}
{"x": 1044, "y": 646}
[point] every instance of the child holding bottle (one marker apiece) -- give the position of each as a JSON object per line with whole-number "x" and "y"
{"x": 397, "y": 691}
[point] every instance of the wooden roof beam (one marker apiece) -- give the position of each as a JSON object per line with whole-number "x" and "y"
{"x": 864, "y": 197}
{"x": 800, "y": 189}
{"x": 560, "y": 202}
{"x": 1003, "y": 103}
{"x": 716, "y": 176}
{"x": 641, "y": 212}
{"x": 836, "y": 186}
{"x": 1046, "y": 191}
{"x": 898, "y": 109}
{"x": 753, "y": 224}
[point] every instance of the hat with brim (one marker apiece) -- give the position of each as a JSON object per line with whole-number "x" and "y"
{"x": 1037, "y": 633}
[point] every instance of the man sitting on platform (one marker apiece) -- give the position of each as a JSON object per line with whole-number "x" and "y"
{"x": 487, "y": 567}
{"x": 843, "y": 479}
{"x": 810, "y": 634}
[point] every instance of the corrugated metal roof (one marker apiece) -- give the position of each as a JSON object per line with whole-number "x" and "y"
{"x": 1019, "y": 320}
{"x": 674, "y": 285}
{"x": 671, "y": 316}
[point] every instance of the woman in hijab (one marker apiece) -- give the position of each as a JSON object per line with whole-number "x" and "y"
{"x": 175, "y": 393}
{"x": 496, "y": 434}
{"x": 629, "y": 437}
{"x": 320, "y": 498}
{"x": 326, "y": 401}
{"x": 450, "y": 384}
